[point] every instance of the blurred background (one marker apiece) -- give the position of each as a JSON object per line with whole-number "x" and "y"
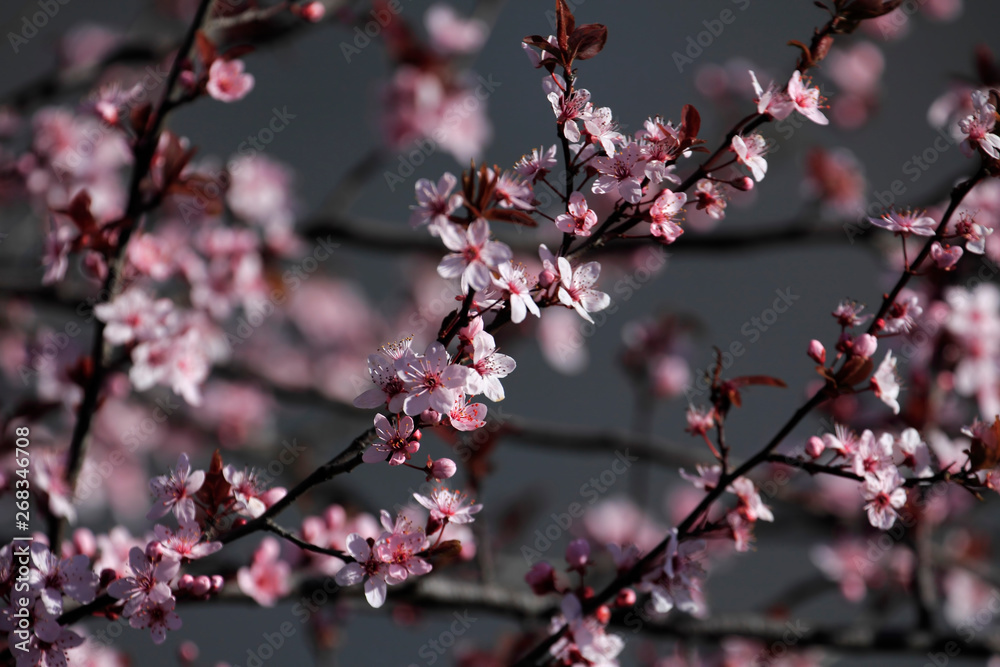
{"x": 329, "y": 89}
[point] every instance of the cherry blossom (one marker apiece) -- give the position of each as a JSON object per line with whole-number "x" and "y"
{"x": 514, "y": 281}
{"x": 453, "y": 34}
{"x": 175, "y": 491}
{"x": 267, "y": 578}
{"x": 489, "y": 366}
{"x": 399, "y": 550}
{"x": 885, "y": 382}
{"x": 885, "y": 495}
{"x": 872, "y": 455}
{"x": 568, "y": 111}
{"x": 185, "y": 543}
{"x": 248, "y": 490}
{"x": 621, "y": 174}
{"x": 394, "y": 442}
{"x": 709, "y": 198}
{"x": 579, "y": 219}
{"x": 538, "y": 164}
{"x": 390, "y": 388}
{"x": 48, "y": 645}
{"x": 772, "y": 102}
{"x": 586, "y": 639}
{"x": 677, "y": 582}
{"x": 848, "y": 314}
{"x": 751, "y": 507}
{"x": 906, "y": 223}
{"x": 149, "y": 581}
{"x": 600, "y": 128}
{"x": 431, "y": 380}
{"x": 448, "y": 506}
{"x": 945, "y": 256}
{"x": 513, "y": 192}
{"x": 805, "y": 99}
{"x": 435, "y": 202}
{"x": 53, "y": 578}
{"x": 575, "y": 288}
{"x": 978, "y": 127}
{"x": 227, "y": 82}
{"x": 367, "y": 568}
{"x": 750, "y": 151}
{"x": 911, "y": 451}
{"x": 473, "y": 256}
{"x": 665, "y": 210}
{"x": 158, "y": 617}
{"x": 465, "y": 416}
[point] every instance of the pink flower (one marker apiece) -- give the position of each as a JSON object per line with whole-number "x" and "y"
{"x": 514, "y": 281}
{"x": 848, "y": 314}
{"x": 451, "y": 34}
{"x": 677, "y": 582}
{"x": 465, "y": 416}
{"x": 912, "y": 452}
{"x": 901, "y": 317}
{"x": 579, "y": 220}
{"x": 906, "y": 223}
{"x": 267, "y": 578}
{"x": 817, "y": 352}
{"x": 863, "y": 346}
{"x": 53, "y": 578}
{"x": 750, "y": 151}
{"x": 978, "y": 126}
{"x": 665, "y": 209}
{"x": 185, "y": 543}
{"x": 806, "y": 100}
{"x": 390, "y": 388}
{"x": 885, "y": 494}
{"x": 538, "y": 164}
{"x": 158, "y": 617}
{"x": 133, "y": 316}
{"x": 575, "y": 288}
{"x": 431, "y": 380}
{"x": 48, "y": 645}
{"x": 247, "y": 489}
{"x": 227, "y": 82}
{"x": 175, "y": 491}
{"x": 489, "y": 366}
{"x": 578, "y": 554}
{"x": 367, "y": 568}
{"x": 512, "y": 192}
{"x": 772, "y": 101}
{"x": 709, "y": 198}
{"x": 621, "y": 174}
{"x": 885, "y": 383}
{"x": 843, "y": 441}
{"x": 448, "y": 506}
{"x": 569, "y": 111}
{"x": 872, "y": 455}
{"x": 751, "y": 507}
{"x": 945, "y": 256}
{"x": 707, "y": 477}
{"x": 435, "y": 202}
{"x": 700, "y": 421}
{"x": 586, "y": 642}
{"x": 473, "y": 254}
{"x": 600, "y": 128}
{"x": 398, "y": 549}
{"x": 815, "y": 447}
{"x": 150, "y": 581}
{"x": 393, "y": 442}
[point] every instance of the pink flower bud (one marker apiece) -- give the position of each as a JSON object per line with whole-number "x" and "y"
{"x": 577, "y": 553}
{"x": 336, "y": 516}
{"x": 817, "y": 352}
{"x": 945, "y": 256}
{"x": 188, "y": 651}
{"x": 272, "y": 496}
{"x": 603, "y": 614}
{"x": 185, "y": 582}
{"x": 864, "y": 346}
{"x": 815, "y": 447}
{"x": 201, "y": 586}
{"x": 154, "y": 550}
{"x": 429, "y": 417}
{"x": 542, "y": 578}
{"x": 218, "y": 581}
{"x": 547, "y": 277}
{"x": 745, "y": 184}
{"x": 84, "y": 542}
{"x": 442, "y": 469}
{"x": 313, "y": 11}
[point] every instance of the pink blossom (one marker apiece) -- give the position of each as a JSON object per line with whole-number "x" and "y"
{"x": 864, "y": 346}
{"x": 709, "y": 198}
{"x": 394, "y": 442}
{"x": 600, "y": 128}
{"x": 872, "y": 454}
{"x": 945, "y": 256}
{"x": 227, "y": 82}
{"x": 568, "y": 111}
{"x": 465, "y": 416}
{"x": 575, "y": 288}
{"x": 699, "y": 420}
{"x": 772, "y": 102}
{"x": 261, "y": 193}
{"x": 48, "y": 645}
{"x": 399, "y": 550}
{"x": 978, "y": 126}
{"x": 150, "y": 581}
{"x": 247, "y": 489}
{"x": 489, "y": 366}
{"x": 621, "y": 174}
{"x": 538, "y": 164}
{"x": 586, "y": 642}
{"x": 53, "y": 578}
{"x": 431, "y": 380}
{"x": 848, "y": 314}
{"x": 390, "y": 388}
{"x": 579, "y": 219}
{"x": 885, "y": 495}
{"x": 707, "y": 477}
{"x": 843, "y": 441}
{"x": 817, "y": 352}
{"x": 805, "y": 99}
{"x": 750, "y": 151}
{"x": 452, "y": 34}
{"x": 513, "y": 280}
{"x": 158, "y": 617}
{"x": 665, "y": 210}
{"x": 440, "y": 469}
{"x": 677, "y": 582}
{"x": 911, "y": 451}
{"x": 473, "y": 254}
{"x": 180, "y": 361}
{"x": 267, "y": 578}
{"x": 435, "y": 202}
{"x": 578, "y": 554}
{"x": 448, "y": 506}
{"x": 885, "y": 383}
{"x": 511, "y": 191}
{"x": 175, "y": 491}
{"x": 906, "y": 223}
{"x": 751, "y": 507}
{"x": 367, "y": 568}
{"x": 815, "y": 447}
{"x": 185, "y": 543}
{"x": 901, "y": 317}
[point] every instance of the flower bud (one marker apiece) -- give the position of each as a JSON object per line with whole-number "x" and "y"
{"x": 577, "y": 554}
{"x": 603, "y": 614}
{"x": 542, "y": 578}
{"x": 185, "y": 582}
{"x": 313, "y": 11}
{"x": 864, "y": 346}
{"x": 218, "y": 581}
{"x": 815, "y": 447}
{"x": 546, "y": 278}
{"x": 201, "y": 586}
{"x": 817, "y": 352}
{"x": 441, "y": 469}
{"x": 745, "y": 184}
{"x": 626, "y": 598}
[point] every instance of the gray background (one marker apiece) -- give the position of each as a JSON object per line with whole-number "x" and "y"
{"x": 636, "y": 76}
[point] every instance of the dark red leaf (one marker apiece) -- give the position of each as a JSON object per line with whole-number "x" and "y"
{"x": 587, "y": 41}
{"x": 205, "y": 47}
{"x": 216, "y": 490}
{"x": 509, "y": 215}
{"x": 565, "y": 23}
{"x": 758, "y": 380}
